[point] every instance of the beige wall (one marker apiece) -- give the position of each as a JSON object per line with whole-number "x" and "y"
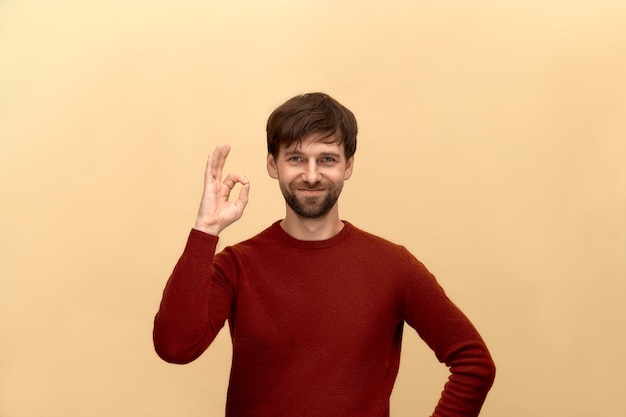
{"x": 492, "y": 144}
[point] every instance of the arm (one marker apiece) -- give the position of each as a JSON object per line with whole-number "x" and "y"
{"x": 455, "y": 341}
{"x": 197, "y": 299}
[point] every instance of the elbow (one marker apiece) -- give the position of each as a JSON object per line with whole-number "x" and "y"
{"x": 478, "y": 366}
{"x": 484, "y": 368}
{"x": 172, "y": 355}
{"x": 170, "y": 348}
{"x": 489, "y": 373}
{"x": 485, "y": 371}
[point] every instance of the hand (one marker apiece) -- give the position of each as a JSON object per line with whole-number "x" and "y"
{"x": 216, "y": 211}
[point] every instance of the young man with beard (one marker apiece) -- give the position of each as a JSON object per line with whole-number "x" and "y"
{"x": 316, "y": 307}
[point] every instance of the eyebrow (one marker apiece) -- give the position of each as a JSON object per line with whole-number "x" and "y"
{"x": 322, "y": 154}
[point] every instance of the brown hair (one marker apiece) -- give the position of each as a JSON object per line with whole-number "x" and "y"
{"x": 311, "y": 113}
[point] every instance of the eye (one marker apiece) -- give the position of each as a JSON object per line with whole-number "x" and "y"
{"x": 295, "y": 159}
{"x": 328, "y": 160}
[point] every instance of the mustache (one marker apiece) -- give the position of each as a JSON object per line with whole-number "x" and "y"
{"x": 303, "y": 185}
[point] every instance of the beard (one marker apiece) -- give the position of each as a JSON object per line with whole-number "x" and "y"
{"x": 315, "y": 206}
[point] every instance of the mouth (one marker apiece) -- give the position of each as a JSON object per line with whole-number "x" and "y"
{"x": 304, "y": 188}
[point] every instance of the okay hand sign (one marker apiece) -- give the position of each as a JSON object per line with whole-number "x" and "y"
{"x": 216, "y": 211}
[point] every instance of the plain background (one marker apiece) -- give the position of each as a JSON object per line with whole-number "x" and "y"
{"x": 492, "y": 145}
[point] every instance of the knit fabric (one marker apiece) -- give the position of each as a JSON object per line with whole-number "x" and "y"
{"x": 317, "y": 326}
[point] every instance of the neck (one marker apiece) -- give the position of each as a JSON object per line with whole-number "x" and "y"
{"x": 321, "y": 228}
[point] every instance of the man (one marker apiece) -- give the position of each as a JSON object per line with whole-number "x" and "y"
{"x": 316, "y": 306}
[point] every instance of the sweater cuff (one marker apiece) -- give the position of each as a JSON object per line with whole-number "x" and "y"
{"x": 201, "y": 243}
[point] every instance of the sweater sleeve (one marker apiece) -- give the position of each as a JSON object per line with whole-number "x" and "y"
{"x": 196, "y": 302}
{"x": 454, "y": 340}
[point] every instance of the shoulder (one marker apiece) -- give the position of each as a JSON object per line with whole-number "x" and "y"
{"x": 268, "y": 237}
{"x": 382, "y": 250}
{"x": 390, "y": 262}
{"x": 370, "y": 239}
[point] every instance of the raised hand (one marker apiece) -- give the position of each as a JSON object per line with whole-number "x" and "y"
{"x": 216, "y": 211}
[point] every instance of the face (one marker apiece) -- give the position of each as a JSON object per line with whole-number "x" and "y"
{"x": 311, "y": 176}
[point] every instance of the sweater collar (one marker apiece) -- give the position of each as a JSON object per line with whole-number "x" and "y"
{"x": 280, "y": 233}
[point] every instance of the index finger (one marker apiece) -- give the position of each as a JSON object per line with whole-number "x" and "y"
{"x": 218, "y": 161}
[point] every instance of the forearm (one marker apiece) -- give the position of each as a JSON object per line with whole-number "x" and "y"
{"x": 472, "y": 372}
{"x": 191, "y": 311}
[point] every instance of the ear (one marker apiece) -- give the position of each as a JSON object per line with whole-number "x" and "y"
{"x": 349, "y": 166}
{"x": 272, "y": 169}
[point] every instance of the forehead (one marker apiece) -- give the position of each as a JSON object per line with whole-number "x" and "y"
{"x": 315, "y": 144}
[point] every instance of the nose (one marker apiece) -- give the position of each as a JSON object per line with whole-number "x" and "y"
{"x": 311, "y": 172}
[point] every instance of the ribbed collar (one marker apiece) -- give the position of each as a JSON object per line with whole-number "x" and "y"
{"x": 276, "y": 230}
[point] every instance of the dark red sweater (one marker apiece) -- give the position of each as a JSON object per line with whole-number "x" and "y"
{"x": 316, "y": 326}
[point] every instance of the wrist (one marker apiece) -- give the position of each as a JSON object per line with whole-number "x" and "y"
{"x": 210, "y": 229}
